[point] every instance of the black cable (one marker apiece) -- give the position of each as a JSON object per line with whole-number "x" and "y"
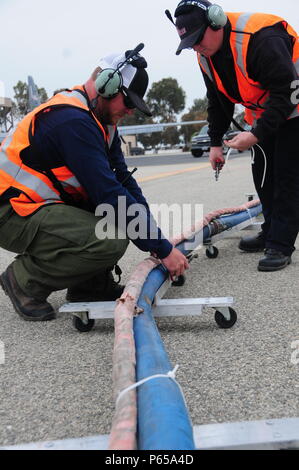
{"x": 129, "y": 176}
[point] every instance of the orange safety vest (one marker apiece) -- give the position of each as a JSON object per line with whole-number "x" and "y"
{"x": 253, "y": 95}
{"x": 35, "y": 187}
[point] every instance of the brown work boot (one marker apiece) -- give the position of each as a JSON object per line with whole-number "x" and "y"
{"x": 101, "y": 288}
{"x": 28, "y": 308}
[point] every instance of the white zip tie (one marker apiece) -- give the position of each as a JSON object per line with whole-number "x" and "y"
{"x": 251, "y": 218}
{"x": 170, "y": 375}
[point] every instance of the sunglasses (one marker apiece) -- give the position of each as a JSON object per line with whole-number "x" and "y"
{"x": 200, "y": 38}
{"x": 128, "y": 103}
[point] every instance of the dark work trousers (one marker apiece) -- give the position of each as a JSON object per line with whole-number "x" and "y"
{"x": 57, "y": 248}
{"x": 280, "y": 193}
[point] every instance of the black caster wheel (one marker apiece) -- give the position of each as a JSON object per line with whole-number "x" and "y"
{"x": 181, "y": 280}
{"x": 212, "y": 253}
{"x": 222, "y": 322}
{"x": 82, "y": 327}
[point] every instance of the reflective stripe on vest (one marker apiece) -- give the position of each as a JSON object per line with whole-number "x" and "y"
{"x": 111, "y": 135}
{"x": 75, "y": 94}
{"x": 34, "y": 187}
{"x": 294, "y": 114}
{"x": 206, "y": 67}
{"x": 240, "y": 38}
{"x": 24, "y": 177}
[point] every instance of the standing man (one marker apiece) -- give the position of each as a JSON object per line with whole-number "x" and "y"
{"x": 62, "y": 162}
{"x": 253, "y": 59}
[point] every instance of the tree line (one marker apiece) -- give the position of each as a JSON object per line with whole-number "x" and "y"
{"x": 166, "y": 99}
{"x": 20, "y": 103}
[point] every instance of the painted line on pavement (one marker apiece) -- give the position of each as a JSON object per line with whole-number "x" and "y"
{"x": 173, "y": 173}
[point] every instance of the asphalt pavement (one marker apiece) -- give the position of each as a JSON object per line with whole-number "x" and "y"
{"x": 56, "y": 383}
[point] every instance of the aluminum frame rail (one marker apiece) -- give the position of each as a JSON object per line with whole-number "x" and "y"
{"x": 272, "y": 434}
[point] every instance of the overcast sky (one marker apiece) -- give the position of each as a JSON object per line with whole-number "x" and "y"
{"x": 59, "y": 42}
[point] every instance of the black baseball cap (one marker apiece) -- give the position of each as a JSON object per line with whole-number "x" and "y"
{"x": 136, "y": 89}
{"x": 191, "y": 23}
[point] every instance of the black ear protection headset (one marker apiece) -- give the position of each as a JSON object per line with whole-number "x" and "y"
{"x": 109, "y": 82}
{"x": 215, "y": 16}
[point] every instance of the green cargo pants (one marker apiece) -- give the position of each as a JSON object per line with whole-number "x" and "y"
{"x": 57, "y": 248}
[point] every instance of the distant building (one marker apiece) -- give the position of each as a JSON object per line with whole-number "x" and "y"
{"x": 127, "y": 143}
{"x": 6, "y": 117}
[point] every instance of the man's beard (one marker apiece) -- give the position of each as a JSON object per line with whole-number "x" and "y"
{"x": 103, "y": 116}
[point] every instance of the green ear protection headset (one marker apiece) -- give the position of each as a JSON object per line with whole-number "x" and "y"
{"x": 215, "y": 16}
{"x": 109, "y": 82}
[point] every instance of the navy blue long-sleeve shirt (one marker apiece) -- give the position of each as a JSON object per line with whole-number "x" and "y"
{"x": 70, "y": 136}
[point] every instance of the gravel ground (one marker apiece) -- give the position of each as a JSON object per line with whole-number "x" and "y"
{"x": 56, "y": 383}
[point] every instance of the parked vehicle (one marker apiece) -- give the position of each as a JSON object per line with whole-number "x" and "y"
{"x": 179, "y": 146}
{"x": 201, "y": 142}
{"x": 137, "y": 151}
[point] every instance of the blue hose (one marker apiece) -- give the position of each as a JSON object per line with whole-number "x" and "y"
{"x": 163, "y": 419}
